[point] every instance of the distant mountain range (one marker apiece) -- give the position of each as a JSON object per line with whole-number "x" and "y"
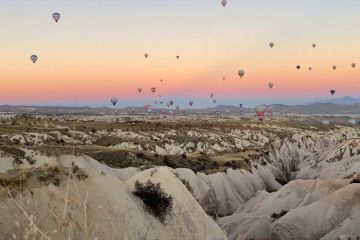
{"x": 343, "y": 101}
{"x": 344, "y": 105}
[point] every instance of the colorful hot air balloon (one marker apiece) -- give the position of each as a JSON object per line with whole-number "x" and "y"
{"x": 353, "y": 65}
{"x": 191, "y": 103}
{"x": 271, "y": 44}
{"x": 33, "y": 58}
{"x": 260, "y": 112}
{"x": 241, "y": 73}
{"x": 298, "y": 67}
{"x": 139, "y": 90}
{"x": 223, "y": 3}
{"x": 146, "y": 55}
{"x": 332, "y": 91}
{"x": 56, "y": 16}
{"x": 113, "y": 101}
{"x": 271, "y": 85}
{"x": 153, "y": 89}
{"x": 334, "y": 67}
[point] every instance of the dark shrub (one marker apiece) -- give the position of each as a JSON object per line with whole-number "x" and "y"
{"x": 157, "y": 202}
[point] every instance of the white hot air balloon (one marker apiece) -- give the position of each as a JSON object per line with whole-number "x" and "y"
{"x": 56, "y": 16}
{"x": 325, "y": 122}
{"x": 33, "y": 58}
{"x": 113, "y": 101}
{"x": 352, "y": 121}
{"x": 260, "y": 112}
{"x": 241, "y": 73}
{"x": 271, "y": 44}
{"x": 223, "y": 3}
{"x": 271, "y": 85}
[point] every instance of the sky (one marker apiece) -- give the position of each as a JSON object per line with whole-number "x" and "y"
{"x": 96, "y": 51}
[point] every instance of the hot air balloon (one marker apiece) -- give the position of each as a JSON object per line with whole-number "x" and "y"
{"x": 325, "y": 122}
{"x": 353, "y": 65}
{"x": 168, "y": 104}
{"x": 310, "y": 68}
{"x": 160, "y": 96}
{"x": 113, "y": 101}
{"x": 334, "y": 67}
{"x": 146, "y": 55}
{"x": 314, "y": 45}
{"x": 240, "y": 105}
{"x": 260, "y": 112}
{"x": 223, "y": 78}
{"x": 191, "y": 103}
{"x": 332, "y": 91}
{"x": 223, "y": 3}
{"x": 56, "y": 16}
{"x": 352, "y": 121}
{"x": 33, "y": 58}
{"x": 214, "y": 101}
{"x": 161, "y": 102}
{"x": 298, "y": 67}
{"x": 271, "y": 85}
{"x": 177, "y": 56}
{"x": 139, "y": 90}
{"x": 177, "y": 107}
{"x": 153, "y": 89}
{"x": 271, "y": 44}
{"x": 171, "y": 102}
{"x": 155, "y": 102}
{"x": 161, "y": 80}
{"x": 211, "y": 95}
{"x": 241, "y": 73}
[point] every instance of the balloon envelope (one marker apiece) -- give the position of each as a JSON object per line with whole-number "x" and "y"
{"x": 223, "y": 3}
{"x": 271, "y": 44}
{"x": 113, "y": 101}
{"x": 33, "y": 58}
{"x": 146, "y": 55}
{"x": 298, "y": 67}
{"x": 56, "y": 16}
{"x": 260, "y": 112}
{"x": 353, "y": 65}
{"x": 271, "y": 85}
{"x": 332, "y": 91}
{"x": 241, "y": 73}
{"x": 139, "y": 90}
{"x": 191, "y": 103}
{"x": 153, "y": 89}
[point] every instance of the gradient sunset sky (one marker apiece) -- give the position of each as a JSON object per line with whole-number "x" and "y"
{"x": 96, "y": 51}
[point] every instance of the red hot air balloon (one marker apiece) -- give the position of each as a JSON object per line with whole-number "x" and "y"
{"x": 260, "y": 112}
